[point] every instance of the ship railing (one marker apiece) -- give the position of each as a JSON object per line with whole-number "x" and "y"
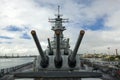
{"x": 9, "y": 70}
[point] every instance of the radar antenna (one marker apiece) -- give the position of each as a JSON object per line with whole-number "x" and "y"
{"x": 58, "y": 14}
{"x": 58, "y": 21}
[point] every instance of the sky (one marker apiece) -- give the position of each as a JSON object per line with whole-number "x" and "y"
{"x": 99, "y": 18}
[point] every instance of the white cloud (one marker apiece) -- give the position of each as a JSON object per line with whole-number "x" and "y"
{"x": 35, "y": 14}
{"x": 113, "y": 20}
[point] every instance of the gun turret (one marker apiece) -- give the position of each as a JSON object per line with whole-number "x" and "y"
{"x": 58, "y": 58}
{"x": 72, "y": 57}
{"x": 51, "y": 51}
{"x": 44, "y": 59}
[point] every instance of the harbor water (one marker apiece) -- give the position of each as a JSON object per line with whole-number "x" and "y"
{"x": 10, "y": 62}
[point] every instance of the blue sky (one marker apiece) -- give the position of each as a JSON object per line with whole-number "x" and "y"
{"x": 99, "y": 18}
{"x": 25, "y": 36}
{"x": 98, "y": 25}
{"x": 5, "y": 37}
{"x": 12, "y": 28}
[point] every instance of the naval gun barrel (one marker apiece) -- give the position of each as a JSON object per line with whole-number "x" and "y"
{"x": 51, "y": 51}
{"x": 44, "y": 58}
{"x": 58, "y": 58}
{"x": 67, "y": 47}
{"x": 72, "y": 57}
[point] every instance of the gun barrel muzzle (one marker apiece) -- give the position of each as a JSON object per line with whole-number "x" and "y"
{"x": 72, "y": 57}
{"x": 44, "y": 58}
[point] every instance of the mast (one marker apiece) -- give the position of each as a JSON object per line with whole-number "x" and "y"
{"x": 58, "y": 22}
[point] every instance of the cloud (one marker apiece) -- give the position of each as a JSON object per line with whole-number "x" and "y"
{"x": 113, "y": 20}
{"x": 5, "y": 42}
{"x": 99, "y": 18}
{"x": 5, "y": 37}
{"x": 25, "y": 36}
{"x": 98, "y": 25}
{"x": 12, "y": 28}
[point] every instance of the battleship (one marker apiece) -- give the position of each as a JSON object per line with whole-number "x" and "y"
{"x": 58, "y": 61}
